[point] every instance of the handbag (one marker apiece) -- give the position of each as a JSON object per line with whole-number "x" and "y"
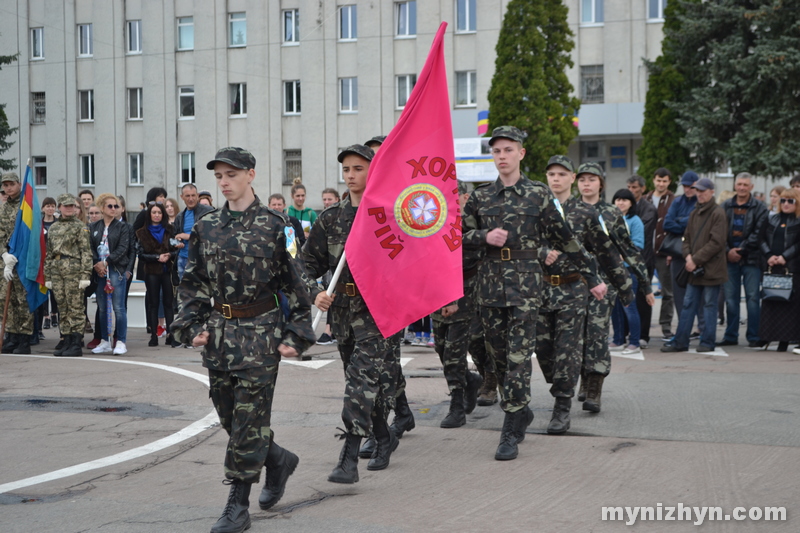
{"x": 682, "y": 279}
{"x": 776, "y": 287}
{"x": 672, "y": 245}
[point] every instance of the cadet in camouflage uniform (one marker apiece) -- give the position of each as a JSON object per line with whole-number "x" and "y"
{"x": 67, "y": 269}
{"x": 371, "y": 365}
{"x": 451, "y": 337}
{"x": 240, "y": 256}
{"x": 597, "y": 358}
{"x": 560, "y": 328}
{"x": 509, "y": 220}
{"x": 19, "y": 321}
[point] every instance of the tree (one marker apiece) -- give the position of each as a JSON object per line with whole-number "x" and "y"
{"x": 530, "y": 88}
{"x": 5, "y": 130}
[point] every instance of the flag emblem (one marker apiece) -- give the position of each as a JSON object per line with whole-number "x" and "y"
{"x": 420, "y": 210}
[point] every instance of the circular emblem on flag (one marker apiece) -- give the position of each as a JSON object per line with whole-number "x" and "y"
{"x": 420, "y": 210}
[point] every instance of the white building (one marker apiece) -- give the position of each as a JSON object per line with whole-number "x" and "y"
{"x": 123, "y": 95}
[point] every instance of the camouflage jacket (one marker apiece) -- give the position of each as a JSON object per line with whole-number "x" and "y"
{"x": 585, "y": 225}
{"x": 69, "y": 237}
{"x": 467, "y": 304}
{"x": 528, "y": 211}
{"x": 8, "y": 218}
{"x": 621, "y": 238}
{"x": 241, "y": 261}
{"x": 322, "y": 251}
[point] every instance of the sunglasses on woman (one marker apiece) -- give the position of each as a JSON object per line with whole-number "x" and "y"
{"x": 112, "y": 206}
{"x": 787, "y": 200}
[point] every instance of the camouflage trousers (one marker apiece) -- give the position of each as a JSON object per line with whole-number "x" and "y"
{"x": 596, "y": 357}
{"x": 477, "y": 346}
{"x": 400, "y": 379}
{"x": 19, "y": 319}
{"x": 370, "y": 383}
{"x": 65, "y": 277}
{"x": 451, "y": 341}
{"x": 559, "y": 343}
{"x": 511, "y": 341}
{"x": 243, "y": 400}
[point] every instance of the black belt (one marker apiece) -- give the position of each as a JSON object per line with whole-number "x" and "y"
{"x": 349, "y": 289}
{"x": 507, "y": 254}
{"x": 61, "y": 256}
{"x": 247, "y": 311}
{"x": 562, "y": 279}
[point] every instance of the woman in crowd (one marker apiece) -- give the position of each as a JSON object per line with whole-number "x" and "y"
{"x": 173, "y": 209}
{"x": 158, "y": 255}
{"x": 51, "y": 316}
{"x": 305, "y": 215}
{"x": 774, "y": 199}
{"x": 626, "y": 203}
{"x": 780, "y": 247}
{"x": 205, "y": 198}
{"x": 93, "y": 215}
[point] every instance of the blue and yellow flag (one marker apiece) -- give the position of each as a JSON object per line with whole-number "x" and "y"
{"x": 27, "y": 244}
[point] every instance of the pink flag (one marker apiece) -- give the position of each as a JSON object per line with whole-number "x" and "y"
{"x": 404, "y": 249}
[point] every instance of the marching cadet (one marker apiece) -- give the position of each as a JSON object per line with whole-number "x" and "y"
{"x": 509, "y": 220}
{"x": 69, "y": 258}
{"x": 19, "y": 322}
{"x": 240, "y": 256}
{"x": 369, "y": 359}
{"x": 560, "y": 328}
{"x": 597, "y": 358}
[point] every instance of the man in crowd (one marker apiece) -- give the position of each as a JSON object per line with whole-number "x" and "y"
{"x": 277, "y": 202}
{"x": 746, "y": 216}
{"x": 675, "y": 222}
{"x": 647, "y": 212}
{"x": 87, "y": 199}
{"x": 185, "y": 221}
{"x": 661, "y": 197}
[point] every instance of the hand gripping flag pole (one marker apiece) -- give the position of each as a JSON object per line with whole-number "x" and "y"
{"x": 336, "y": 275}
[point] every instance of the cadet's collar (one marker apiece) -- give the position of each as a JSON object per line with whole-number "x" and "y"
{"x": 247, "y": 218}
{"x": 519, "y": 187}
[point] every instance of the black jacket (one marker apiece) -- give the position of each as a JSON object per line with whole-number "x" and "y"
{"x": 199, "y": 211}
{"x": 119, "y": 242}
{"x": 149, "y": 249}
{"x": 649, "y": 215}
{"x": 791, "y": 251}
{"x": 754, "y": 221}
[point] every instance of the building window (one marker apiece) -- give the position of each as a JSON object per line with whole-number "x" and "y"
{"x": 85, "y": 44}
{"x": 348, "y": 23}
{"x": 292, "y": 166}
{"x": 187, "y": 167}
{"x": 406, "y": 17}
{"x": 186, "y": 102}
{"x": 37, "y": 43}
{"x": 237, "y": 29}
{"x": 655, "y": 9}
{"x": 86, "y": 105}
{"x": 348, "y": 88}
{"x": 592, "y": 84}
{"x": 40, "y": 171}
{"x": 238, "y": 99}
{"x": 465, "y": 15}
{"x": 134, "y": 36}
{"x": 619, "y": 157}
{"x": 291, "y": 97}
{"x": 594, "y": 151}
{"x": 405, "y": 84}
{"x": 87, "y": 170}
{"x": 291, "y": 26}
{"x": 38, "y": 108}
{"x": 135, "y": 169}
{"x": 135, "y": 104}
{"x": 592, "y": 12}
{"x": 185, "y": 33}
{"x": 465, "y": 89}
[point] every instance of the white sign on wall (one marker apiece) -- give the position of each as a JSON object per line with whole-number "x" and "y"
{"x": 474, "y": 160}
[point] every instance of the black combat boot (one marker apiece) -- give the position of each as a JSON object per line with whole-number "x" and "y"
{"x": 403, "y": 417}
{"x": 456, "y": 417}
{"x": 368, "y": 448}
{"x": 474, "y": 384}
{"x": 488, "y": 392}
{"x": 281, "y": 464}
{"x": 582, "y": 390}
{"x": 560, "y": 422}
{"x": 236, "y": 516}
{"x": 74, "y": 347}
{"x": 23, "y": 345}
{"x": 386, "y": 442}
{"x": 346, "y": 470}
{"x": 62, "y": 345}
{"x": 513, "y": 433}
{"x": 153, "y": 340}
{"x": 10, "y": 343}
{"x": 594, "y": 389}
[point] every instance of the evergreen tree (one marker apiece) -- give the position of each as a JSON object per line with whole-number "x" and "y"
{"x": 530, "y": 88}
{"x": 5, "y": 130}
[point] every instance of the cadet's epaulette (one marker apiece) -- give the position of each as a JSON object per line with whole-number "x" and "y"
{"x": 214, "y": 210}
{"x": 482, "y": 185}
{"x": 332, "y": 206}
{"x": 283, "y": 216}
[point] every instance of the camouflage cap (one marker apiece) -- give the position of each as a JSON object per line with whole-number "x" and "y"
{"x": 235, "y": 157}
{"x": 562, "y": 160}
{"x": 358, "y": 149}
{"x": 508, "y": 132}
{"x": 67, "y": 199}
{"x": 591, "y": 168}
{"x": 378, "y": 139}
{"x": 9, "y": 176}
{"x": 462, "y": 187}
{"x": 204, "y": 193}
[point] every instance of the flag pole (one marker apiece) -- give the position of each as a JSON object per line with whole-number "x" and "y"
{"x": 336, "y": 275}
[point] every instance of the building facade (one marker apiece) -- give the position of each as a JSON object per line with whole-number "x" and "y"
{"x": 123, "y": 95}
